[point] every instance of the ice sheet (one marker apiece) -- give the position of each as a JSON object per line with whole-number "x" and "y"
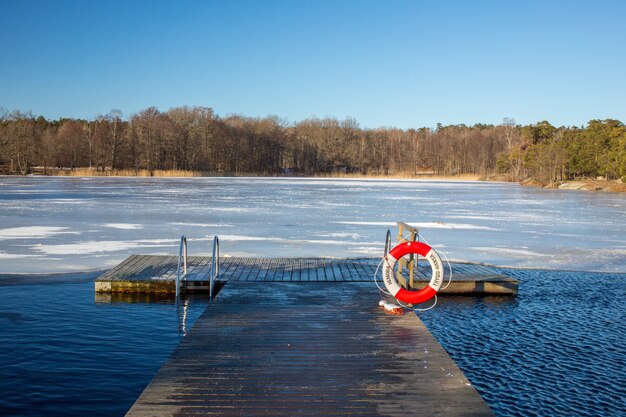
{"x": 127, "y": 226}
{"x": 427, "y": 225}
{"x": 33, "y": 232}
{"x": 109, "y": 219}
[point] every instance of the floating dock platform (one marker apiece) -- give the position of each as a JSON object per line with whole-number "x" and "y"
{"x": 306, "y": 348}
{"x": 300, "y": 337}
{"x": 157, "y": 274}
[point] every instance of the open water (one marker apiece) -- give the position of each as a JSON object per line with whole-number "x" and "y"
{"x": 557, "y": 349}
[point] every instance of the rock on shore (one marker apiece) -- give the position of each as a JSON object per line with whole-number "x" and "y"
{"x": 594, "y": 185}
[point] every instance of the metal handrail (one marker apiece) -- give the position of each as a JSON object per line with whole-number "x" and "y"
{"x": 182, "y": 258}
{"x": 388, "y": 242}
{"x": 215, "y": 265}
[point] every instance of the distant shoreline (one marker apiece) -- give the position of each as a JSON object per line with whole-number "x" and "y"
{"x": 615, "y": 186}
{"x": 91, "y": 172}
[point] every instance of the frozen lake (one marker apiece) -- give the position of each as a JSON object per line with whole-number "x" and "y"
{"x": 69, "y": 224}
{"x": 55, "y": 338}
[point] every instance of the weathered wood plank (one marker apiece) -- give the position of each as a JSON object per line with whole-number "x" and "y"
{"x": 336, "y": 270}
{"x": 297, "y": 270}
{"x": 170, "y": 270}
{"x": 361, "y": 270}
{"x": 111, "y": 272}
{"x": 133, "y": 271}
{"x": 154, "y": 267}
{"x": 128, "y": 268}
{"x": 263, "y": 269}
{"x": 307, "y": 349}
{"x": 354, "y": 275}
{"x": 139, "y": 272}
{"x": 227, "y": 266}
{"x": 280, "y": 270}
{"x": 198, "y": 269}
{"x": 239, "y": 268}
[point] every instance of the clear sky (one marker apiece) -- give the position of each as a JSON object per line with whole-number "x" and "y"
{"x": 384, "y": 63}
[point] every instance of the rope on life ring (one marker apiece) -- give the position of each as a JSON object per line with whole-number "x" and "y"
{"x": 436, "y": 280}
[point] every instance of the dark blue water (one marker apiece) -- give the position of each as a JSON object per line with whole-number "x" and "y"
{"x": 558, "y": 349}
{"x": 64, "y": 354}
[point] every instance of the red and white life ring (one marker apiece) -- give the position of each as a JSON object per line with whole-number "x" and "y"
{"x": 389, "y": 277}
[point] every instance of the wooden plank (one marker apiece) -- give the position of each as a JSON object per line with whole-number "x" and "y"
{"x": 297, "y": 270}
{"x": 259, "y": 264}
{"x": 133, "y": 272}
{"x": 257, "y": 269}
{"x": 354, "y": 276}
{"x": 308, "y": 267}
{"x": 264, "y": 269}
{"x": 170, "y": 269}
{"x": 115, "y": 269}
{"x": 327, "y": 270}
{"x": 336, "y": 270}
{"x": 344, "y": 272}
{"x": 127, "y": 268}
{"x": 273, "y": 269}
{"x": 131, "y": 268}
{"x": 311, "y": 266}
{"x": 169, "y": 272}
{"x": 226, "y": 268}
{"x": 280, "y": 274}
{"x": 139, "y": 272}
{"x": 198, "y": 268}
{"x": 236, "y": 268}
{"x": 364, "y": 275}
{"x": 249, "y": 269}
{"x": 280, "y": 350}
{"x": 370, "y": 267}
{"x": 242, "y": 270}
{"x": 154, "y": 268}
{"x": 289, "y": 268}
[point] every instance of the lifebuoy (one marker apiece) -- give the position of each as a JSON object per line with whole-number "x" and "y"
{"x": 426, "y": 293}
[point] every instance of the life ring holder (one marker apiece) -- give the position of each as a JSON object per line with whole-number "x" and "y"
{"x": 436, "y": 280}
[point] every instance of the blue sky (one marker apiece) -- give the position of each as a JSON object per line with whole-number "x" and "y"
{"x": 384, "y": 63}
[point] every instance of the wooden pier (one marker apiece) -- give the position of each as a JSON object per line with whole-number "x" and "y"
{"x": 157, "y": 274}
{"x": 315, "y": 346}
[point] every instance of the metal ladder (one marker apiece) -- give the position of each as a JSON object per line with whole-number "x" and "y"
{"x": 182, "y": 266}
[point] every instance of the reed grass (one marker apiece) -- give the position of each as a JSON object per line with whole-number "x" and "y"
{"x": 93, "y": 172}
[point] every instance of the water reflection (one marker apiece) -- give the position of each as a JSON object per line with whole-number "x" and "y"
{"x": 181, "y": 311}
{"x": 182, "y": 303}
{"x": 132, "y": 298}
{"x": 141, "y": 298}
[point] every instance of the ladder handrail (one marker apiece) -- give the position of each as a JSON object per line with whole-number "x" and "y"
{"x": 182, "y": 258}
{"x": 215, "y": 265}
{"x": 388, "y": 242}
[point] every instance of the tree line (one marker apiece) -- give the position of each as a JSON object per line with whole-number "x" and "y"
{"x": 196, "y": 139}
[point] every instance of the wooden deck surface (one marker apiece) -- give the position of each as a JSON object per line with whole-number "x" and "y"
{"x": 307, "y": 349}
{"x": 155, "y": 273}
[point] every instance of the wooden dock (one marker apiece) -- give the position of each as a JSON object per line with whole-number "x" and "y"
{"x": 315, "y": 346}
{"x": 157, "y": 274}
